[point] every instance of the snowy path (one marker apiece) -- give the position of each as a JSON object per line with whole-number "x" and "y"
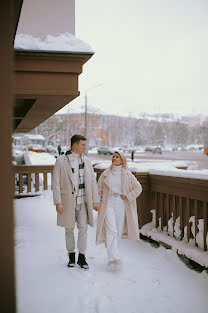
{"x": 152, "y": 280}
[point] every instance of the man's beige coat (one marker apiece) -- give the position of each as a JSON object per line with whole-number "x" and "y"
{"x": 63, "y": 190}
{"x": 131, "y": 188}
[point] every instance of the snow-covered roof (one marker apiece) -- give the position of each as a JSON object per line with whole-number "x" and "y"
{"x": 63, "y": 43}
{"x": 35, "y": 136}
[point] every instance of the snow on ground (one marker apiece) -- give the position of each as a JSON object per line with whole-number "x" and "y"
{"x": 42, "y": 158}
{"x": 151, "y": 280}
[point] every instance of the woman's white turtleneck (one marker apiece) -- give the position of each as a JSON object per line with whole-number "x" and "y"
{"x": 115, "y": 179}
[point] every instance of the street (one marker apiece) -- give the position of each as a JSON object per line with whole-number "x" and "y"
{"x": 195, "y": 159}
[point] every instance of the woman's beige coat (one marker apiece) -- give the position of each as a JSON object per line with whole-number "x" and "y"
{"x": 63, "y": 191}
{"x": 131, "y": 188}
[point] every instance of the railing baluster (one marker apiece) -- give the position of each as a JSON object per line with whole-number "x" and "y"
{"x": 156, "y": 209}
{"x": 171, "y": 207}
{"x": 161, "y": 210}
{"x": 180, "y": 207}
{"x": 37, "y": 185}
{"x": 20, "y": 183}
{"x": 196, "y": 220}
{"x": 205, "y": 217}
{"x": 45, "y": 181}
{"x": 29, "y": 182}
{"x": 188, "y": 209}
{"x": 167, "y": 209}
{"x": 174, "y": 212}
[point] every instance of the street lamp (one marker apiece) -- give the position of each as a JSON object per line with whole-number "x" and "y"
{"x": 86, "y": 91}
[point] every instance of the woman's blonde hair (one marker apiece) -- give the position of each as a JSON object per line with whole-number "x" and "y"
{"x": 123, "y": 158}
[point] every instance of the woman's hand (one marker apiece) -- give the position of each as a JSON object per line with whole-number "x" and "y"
{"x": 123, "y": 197}
{"x": 96, "y": 206}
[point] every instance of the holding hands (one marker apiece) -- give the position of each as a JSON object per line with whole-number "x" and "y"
{"x": 96, "y": 206}
{"x": 123, "y": 197}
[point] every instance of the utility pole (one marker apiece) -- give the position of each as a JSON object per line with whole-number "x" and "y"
{"x": 86, "y": 124}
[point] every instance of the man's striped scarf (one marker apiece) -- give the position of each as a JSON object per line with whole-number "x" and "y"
{"x": 80, "y": 198}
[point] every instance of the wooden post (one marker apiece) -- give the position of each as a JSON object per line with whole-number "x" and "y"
{"x": 174, "y": 212}
{"x": 37, "y": 184}
{"x": 7, "y": 273}
{"x": 180, "y": 207}
{"x": 205, "y": 217}
{"x": 29, "y": 182}
{"x": 188, "y": 210}
{"x": 45, "y": 181}
{"x": 154, "y": 206}
{"x": 161, "y": 210}
{"x": 156, "y": 209}
{"x": 167, "y": 209}
{"x": 196, "y": 221}
{"x": 20, "y": 183}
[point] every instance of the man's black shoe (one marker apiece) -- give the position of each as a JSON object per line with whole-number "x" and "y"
{"x": 71, "y": 259}
{"x": 82, "y": 261}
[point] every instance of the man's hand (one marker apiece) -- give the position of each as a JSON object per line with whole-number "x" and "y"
{"x": 123, "y": 197}
{"x": 96, "y": 206}
{"x": 60, "y": 208}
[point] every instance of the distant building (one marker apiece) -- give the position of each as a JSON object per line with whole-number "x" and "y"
{"x": 102, "y": 130}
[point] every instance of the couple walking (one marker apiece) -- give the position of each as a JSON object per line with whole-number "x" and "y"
{"x": 76, "y": 194}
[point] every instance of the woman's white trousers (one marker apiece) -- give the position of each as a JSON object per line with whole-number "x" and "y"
{"x": 114, "y": 220}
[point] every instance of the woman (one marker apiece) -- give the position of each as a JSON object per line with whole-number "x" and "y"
{"x": 117, "y": 217}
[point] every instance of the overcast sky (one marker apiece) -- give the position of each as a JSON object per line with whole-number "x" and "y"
{"x": 150, "y": 55}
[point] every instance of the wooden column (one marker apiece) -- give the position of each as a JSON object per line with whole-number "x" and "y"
{"x": 7, "y": 275}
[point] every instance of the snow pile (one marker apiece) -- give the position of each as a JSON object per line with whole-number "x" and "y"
{"x": 185, "y": 234}
{"x": 103, "y": 164}
{"x": 42, "y": 158}
{"x": 153, "y": 217}
{"x": 170, "y": 226}
{"x": 192, "y": 221}
{"x": 197, "y": 174}
{"x": 164, "y": 169}
{"x": 200, "y": 234}
{"x": 17, "y": 152}
{"x": 177, "y": 230}
{"x": 137, "y": 167}
{"x": 183, "y": 246}
{"x": 63, "y": 42}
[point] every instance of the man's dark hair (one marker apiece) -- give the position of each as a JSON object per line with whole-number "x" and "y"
{"x": 76, "y": 139}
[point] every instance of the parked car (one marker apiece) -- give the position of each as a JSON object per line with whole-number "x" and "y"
{"x": 148, "y": 149}
{"x": 51, "y": 148}
{"x": 126, "y": 149}
{"x": 105, "y": 151}
{"x": 36, "y": 148}
{"x": 157, "y": 150}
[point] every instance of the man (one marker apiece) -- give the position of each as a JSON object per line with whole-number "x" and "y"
{"x": 75, "y": 195}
